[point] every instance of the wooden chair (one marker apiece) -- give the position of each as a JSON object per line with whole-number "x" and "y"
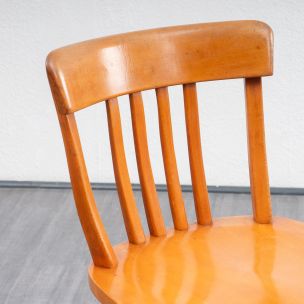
{"x": 227, "y": 260}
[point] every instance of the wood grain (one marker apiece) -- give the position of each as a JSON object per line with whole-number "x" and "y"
{"x": 97, "y": 239}
{"x": 100, "y": 69}
{"x": 126, "y": 197}
{"x": 150, "y": 198}
{"x": 235, "y": 261}
{"x": 200, "y": 191}
{"x": 174, "y": 190}
{"x": 257, "y": 151}
{"x": 211, "y": 262}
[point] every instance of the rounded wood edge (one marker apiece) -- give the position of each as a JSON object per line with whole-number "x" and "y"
{"x": 99, "y": 294}
{"x": 289, "y": 224}
{"x": 71, "y": 98}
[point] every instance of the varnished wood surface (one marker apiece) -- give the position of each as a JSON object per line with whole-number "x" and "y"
{"x": 166, "y": 136}
{"x": 83, "y": 74}
{"x": 192, "y": 53}
{"x": 95, "y": 234}
{"x": 126, "y": 197}
{"x": 40, "y": 232}
{"x": 88, "y": 72}
{"x": 200, "y": 191}
{"x": 150, "y": 198}
{"x": 258, "y": 170}
{"x": 234, "y": 261}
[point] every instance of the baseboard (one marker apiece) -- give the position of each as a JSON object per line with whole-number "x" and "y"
{"x": 136, "y": 187}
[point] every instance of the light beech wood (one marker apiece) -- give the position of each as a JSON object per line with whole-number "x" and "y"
{"x": 257, "y": 151}
{"x": 174, "y": 189}
{"x": 200, "y": 191}
{"x": 96, "y": 236}
{"x": 233, "y": 260}
{"x": 151, "y": 202}
{"x": 103, "y": 68}
{"x": 127, "y": 201}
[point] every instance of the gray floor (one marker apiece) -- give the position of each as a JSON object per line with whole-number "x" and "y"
{"x": 43, "y": 255}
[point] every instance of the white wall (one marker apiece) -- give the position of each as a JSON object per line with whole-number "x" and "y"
{"x": 30, "y": 141}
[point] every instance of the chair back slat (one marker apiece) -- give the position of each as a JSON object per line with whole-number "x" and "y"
{"x": 258, "y": 171}
{"x": 96, "y": 236}
{"x": 126, "y": 197}
{"x": 152, "y": 207}
{"x": 173, "y": 184}
{"x": 200, "y": 191}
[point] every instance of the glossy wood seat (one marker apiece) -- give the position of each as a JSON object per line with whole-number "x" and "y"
{"x": 233, "y": 260}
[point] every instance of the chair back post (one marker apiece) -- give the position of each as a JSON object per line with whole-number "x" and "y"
{"x": 97, "y": 239}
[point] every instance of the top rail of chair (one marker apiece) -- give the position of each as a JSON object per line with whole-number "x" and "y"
{"x": 85, "y": 73}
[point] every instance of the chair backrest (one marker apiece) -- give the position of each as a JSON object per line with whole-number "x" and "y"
{"x": 83, "y": 74}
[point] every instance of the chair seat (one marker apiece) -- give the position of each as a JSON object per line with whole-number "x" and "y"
{"x": 233, "y": 261}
